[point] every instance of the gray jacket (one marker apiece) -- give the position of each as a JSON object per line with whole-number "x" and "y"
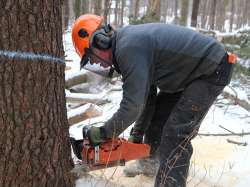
{"x": 167, "y": 56}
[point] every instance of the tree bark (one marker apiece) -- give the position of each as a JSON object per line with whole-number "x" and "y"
{"x": 184, "y": 13}
{"x": 98, "y": 7}
{"x": 154, "y": 9}
{"x": 195, "y": 10}
{"x": 212, "y": 15}
{"x": 34, "y": 146}
{"x": 220, "y": 17}
{"x": 136, "y": 10}
{"x": 232, "y": 15}
{"x": 107, "y": 4}
{"x": 122, "y": 11}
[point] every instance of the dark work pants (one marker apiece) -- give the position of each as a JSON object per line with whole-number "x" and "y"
{"x": 175, "y": 121}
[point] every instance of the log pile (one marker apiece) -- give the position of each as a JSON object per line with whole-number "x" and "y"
{"x": 82, "y": 106}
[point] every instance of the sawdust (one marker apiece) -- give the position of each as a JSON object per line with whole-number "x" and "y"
{"x": 213, "y": 164}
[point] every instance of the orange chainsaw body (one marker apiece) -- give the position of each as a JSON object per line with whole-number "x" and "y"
{"x": 112, "y": 152}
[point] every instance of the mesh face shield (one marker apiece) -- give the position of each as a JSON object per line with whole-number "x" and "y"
{"x": 92, "y": 61}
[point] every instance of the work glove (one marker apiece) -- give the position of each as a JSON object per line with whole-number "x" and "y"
{"x": 135, "y": 137}
{"x": 96, "y": 135}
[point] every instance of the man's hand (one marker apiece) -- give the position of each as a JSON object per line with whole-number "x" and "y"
{"x": 135, "y": 137}
{"x": 94, "y": 134}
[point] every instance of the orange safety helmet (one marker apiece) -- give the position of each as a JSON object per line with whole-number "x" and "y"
{"x": 82, "y": 31}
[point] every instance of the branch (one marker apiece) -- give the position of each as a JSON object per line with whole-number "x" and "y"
{"x": 237, "y": 143}
{"x": 244, "y": 104}
{"x": 221, "y": 134}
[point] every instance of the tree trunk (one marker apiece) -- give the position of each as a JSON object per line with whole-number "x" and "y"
{"x": 107, "y": 4}
{"x": 85, "y": 6}
{"x": 220, "y": 17}
{"x": 34, "y": 146}
{"x": 154, "y": 9}
{"x": 117, "y": 2}
{"x": 204, "y": 10}
{"x": 184, "y": 13}
{"x": 164, "y": 10}
{"x": 65, "y": 14}
{"x": 77, "y": 8}
{"x": 232, "y": 15}
{"x": 212, "y": 15}
{"x": 195, "y": 10}
{"x": 136, "y": 11}
{"x": 122, "y": 11}
{"x": 98, "y": 7}
{"x": 176, "y": 18}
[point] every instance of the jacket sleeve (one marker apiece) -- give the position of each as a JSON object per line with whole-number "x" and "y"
{"x": 143, "y": 122}
{"x": 135, "y": 63}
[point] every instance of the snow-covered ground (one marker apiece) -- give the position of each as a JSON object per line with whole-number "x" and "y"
{"x": 215, "y": 162}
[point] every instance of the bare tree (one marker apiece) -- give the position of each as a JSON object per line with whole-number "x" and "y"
{"x": 154, "y": 9}
{"x": 107, "y": 5}
{"x": 195, "y": 10}
{"x": 221, "y": 14}
{"x": 98, "y": 7}
{"x": 136, "y": 10}
{"x": 123, "y": 4}
{"x": 212, "y": 14}
{"x": 85, "y": 6}
{"x": 184, "y": 13}
{"x": 176, "y": 5}
{"x": 232, "y": 14}
{"x": 116, "y": 11}
{"x": 34, "y": 146}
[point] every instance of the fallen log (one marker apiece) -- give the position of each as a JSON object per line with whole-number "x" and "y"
{"x": 75, "y": 78}
{"x": 85, "y": 98}
{"x": 82, "y": 113}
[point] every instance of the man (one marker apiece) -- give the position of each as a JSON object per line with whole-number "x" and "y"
{"x": 189, "y": 69}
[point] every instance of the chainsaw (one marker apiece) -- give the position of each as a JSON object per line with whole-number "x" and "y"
{"x": 112, "y": 152}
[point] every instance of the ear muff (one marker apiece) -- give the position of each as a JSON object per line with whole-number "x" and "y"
{"x": 101, "y": 40}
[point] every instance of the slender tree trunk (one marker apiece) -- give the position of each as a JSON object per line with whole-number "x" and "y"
{"x": 205, "y": 12}
{"x": 98, "y": 7}
{"x": 34, "y": 146}
{"x": 154, "y": 9}
{"x": 184, "y": 13}
{"x": 195, "y": 10}
{"x": 117, "y": 2}
{"x": 122, "y": 11}
{"x": 176, "y": 17}
{"x": 164, "y": 9}
{"x": 77, "y": 8}
{"x": 220, "y": 17}
{"x": 212, "y": 15}
{"x": 85, "y": 6}
{"x": 107, "y": 4}
{"x": 65, "y": 14}
{"x": 136, "y": 11}
{"x": 232, "y": 14}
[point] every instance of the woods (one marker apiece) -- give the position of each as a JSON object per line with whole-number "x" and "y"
{"x": 222, "y": 15}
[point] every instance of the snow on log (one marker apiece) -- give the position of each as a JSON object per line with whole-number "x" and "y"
{"x": 82, "y": 113}
{"x": 85, "y": 98}
{"x": 75, "y": 78}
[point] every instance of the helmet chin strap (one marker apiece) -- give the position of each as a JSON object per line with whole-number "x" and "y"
{"x": 86, "y": 58}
